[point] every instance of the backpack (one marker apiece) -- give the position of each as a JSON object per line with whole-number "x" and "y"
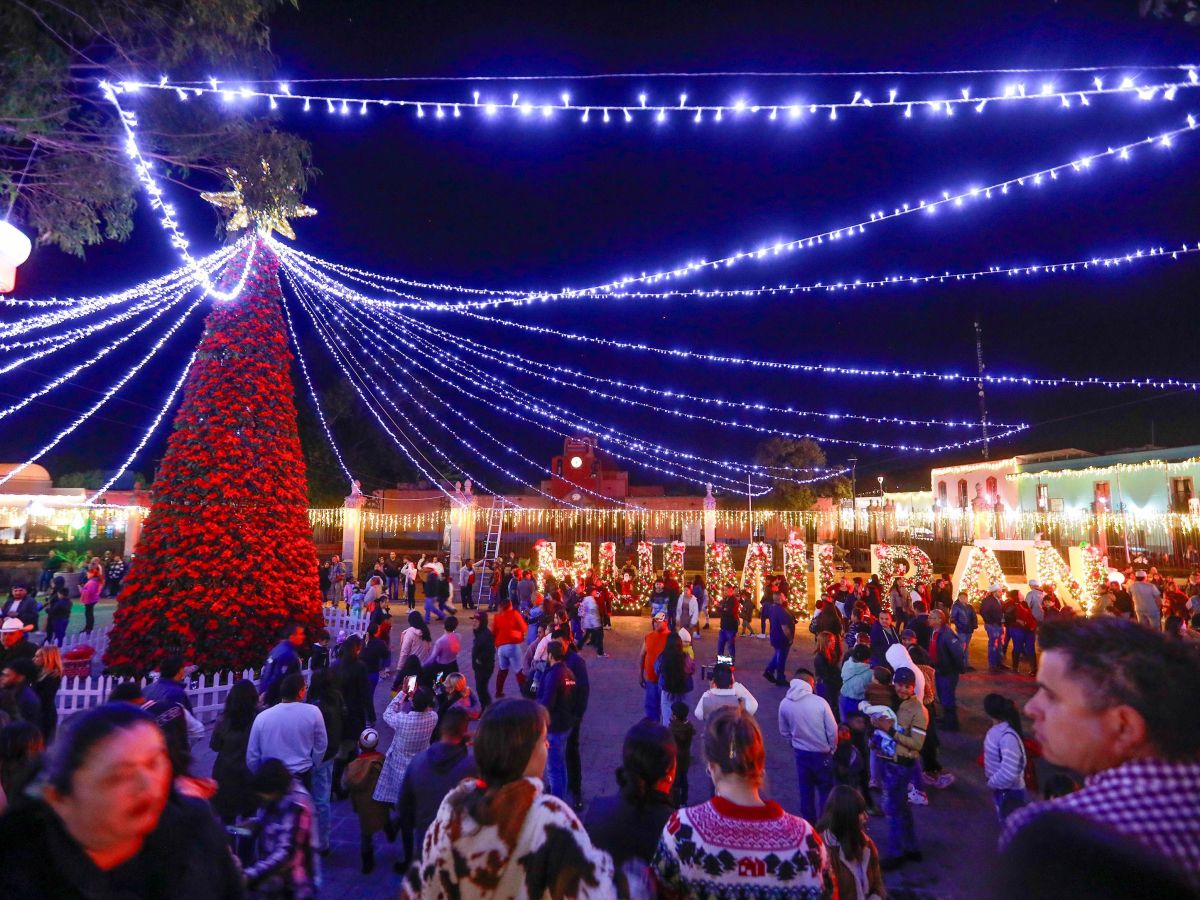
{"x": 929, "y": 696}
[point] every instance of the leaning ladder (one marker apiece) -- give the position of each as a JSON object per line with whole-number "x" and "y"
{"x": 491, "y": 551}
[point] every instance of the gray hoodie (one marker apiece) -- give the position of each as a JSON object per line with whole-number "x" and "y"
{"x": 806, "y": 719}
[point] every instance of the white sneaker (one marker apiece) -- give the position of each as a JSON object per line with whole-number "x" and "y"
{"x": 917, "y": 798}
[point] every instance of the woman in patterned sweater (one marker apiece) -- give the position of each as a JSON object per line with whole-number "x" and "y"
{"x": 738, "y": 845}
{"x": 500, "y": 836}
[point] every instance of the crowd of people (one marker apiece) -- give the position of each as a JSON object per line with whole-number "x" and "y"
{"x": 481, "y": 786}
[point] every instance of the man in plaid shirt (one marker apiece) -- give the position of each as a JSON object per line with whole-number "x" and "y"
{"x": 1115, "y": 702}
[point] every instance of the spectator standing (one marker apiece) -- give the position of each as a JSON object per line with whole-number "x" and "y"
{"x": 883, "y": 635}
{"x": 992, "y": 613}
{"x": 1114, "y": 703}
{"x": 323, "y": 693}
{"x": 292, "y": 731}
{"x": 1147, "y": 601}
{"x": 509, "y": 629}
{"x": 48, "y": 680}
{"x": 627, "y": 825}
{"x": 283, "y": 660}
{"x": 852, "y": 853}
{"x": 827, "y": 666}
{"x": 737, "y": 843}
{"x": 230, "y": 737}
{"x": 1004, "y": 757}
{"x": 442, "y": 658}
{"x": 582, "y": 694}
{"x": 556, "y": 693}
{"x": 21, "y": 605}
{"x": 58, "y": 614}
{"x": 725, "y": 691}
{"x": 783, "y": 633}
{"x": 483, "y": 657}
{"x": 592, "y": 623}
{"x": 898, "y": 750}
{"x": 806, "y": 720}
{"x": 728, "y": 622}
{"x": 965, "y": 621}
{"x": 500, "y": 834}
{"x": 946, "y": 655}
{"x": 857, "y": 675}
{"x": 413, "y": 719}
{"x": 359, "y": 780}
{"x": 89, "y": 594}
{"x": 683, "y": 731}
{"x": 431, "y": 775}
{"x": 416, "y": 641}
{"x": 652, "y": 647}
{"x": 283, "y": 865}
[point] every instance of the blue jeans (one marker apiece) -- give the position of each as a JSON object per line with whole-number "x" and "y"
{"x": 653, "y": 701}
{"x": 725, "y": 636}
{"x": 1009, "y": 801}
{"x": 815, "y": 773}
{"x": 902, "y": 835}
{"x": 665, "y": 705}
{"x": 556, "y": 763}
{"x": 947, "y": 688}
{"x": 431, "y": 609}
{"x": 995, "y": 654}
{"x": 849, "y": 706}
{"x": 322, "y": 777}
{"x": 778, "y": 664}
{"x": 393, "y": 588}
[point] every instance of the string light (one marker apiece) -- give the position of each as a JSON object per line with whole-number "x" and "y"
{"x": 166, "y": 210}
{"x": 88, "y": 413}
{"x": 162, "y": 411}
{"x": 1148, "y": 465}
{"x": 1163, "y": 384}
{"x": 495, "y": 355}
{"x": 100, "y": 354}
{"x": 490, "y": 105}
{"x": 312, "y": 393}
{"x": 608, "y": 433}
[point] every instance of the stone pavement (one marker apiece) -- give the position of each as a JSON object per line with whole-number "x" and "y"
{"x": 957, "y": 830}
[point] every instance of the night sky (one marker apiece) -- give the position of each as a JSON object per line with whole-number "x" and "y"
{"x": 509, "y": 202}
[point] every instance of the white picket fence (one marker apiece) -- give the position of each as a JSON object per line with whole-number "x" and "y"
{"x": 208, "y": 692}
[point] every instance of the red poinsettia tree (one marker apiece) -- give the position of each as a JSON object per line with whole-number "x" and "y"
{"x": 226, "y": 556}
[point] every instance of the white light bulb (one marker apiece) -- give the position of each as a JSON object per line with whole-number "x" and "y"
{"x": 642, "y": 98}
{"x": 566, "y": 98}
{"x": 438, "y": 112}
{"x": 475, "y": 94}
{"x": 628, "y": 117}
{"x": 892, "y": 96}
{"x": 420, "y": 111}
{"x": 682, "y": 100}
{"x": 662, "y": 115}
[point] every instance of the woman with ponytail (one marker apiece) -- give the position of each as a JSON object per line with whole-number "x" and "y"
{"x": 738, "y": 844}
{"x": 628, "y": 824}
{"x": 1004, "y": 755}
{"x": 500, "y": 835}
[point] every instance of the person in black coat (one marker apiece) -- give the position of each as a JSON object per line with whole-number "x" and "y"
{"x": 483, "y": 658}
{"x": 628, "y": 824}
{"x": 231, "y": 734}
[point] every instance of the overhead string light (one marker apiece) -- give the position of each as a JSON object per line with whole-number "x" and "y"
{"x": 108, "y": 395}
{"x": 166, "y": 211}
{"x": 321, "y": 323}
{"x": 312, "y": 394}
{"x": 972, "y": 378}
{"x": 769, "y": 252}
{"x": 146, "y": 435}
{"x": 605, "y": 432}
{"x": 515, "y": 104}
{"x": 98, "y": 355}
{"x": 495, "y": 355}
{"x": 390, "y": 428}
{"x": 547, "y": 410}
{"x": 1157, "y": 252}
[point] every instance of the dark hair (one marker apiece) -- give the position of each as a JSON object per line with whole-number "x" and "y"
{"x": 289, "y": 629}
{"x": 422, "y": 700}
{"x": 271, "y": 777}
{"x": 733, "y": 743}
{"x": 291, "y": 686}
{"x": 320, "y": 684}
{"x": 1122, "y": 663}
{"x": 919, "y": 606}
{"x": 1173, "y": 627}
{"x": 722, "y": 675}
{"x": 1059, "y": 785}
{"x": 23, "y": 666}
{"x": 20, "y": 741}
{"x": 673, "y": 677}
{"x": 454, "y": 724}
{"x": 556, "y": 650}
{"x": 508, "y": 732}
{"x": 128, "y": 691}
{"x": 1003, "y": 709}
{"x": 882, "y": 674}
{"x": 647, "y": 755}
{"x": 417, "y": 621}
{"x": 351, "y": 647}
{"x": 860, "y": 653}
{"x": 170, "y": 666}
{"x": 482, "y": 616}
{"x": 82, "y": 733}
{"x": 450, "y": 624}
{"x": 842, "y": 817}
{"x": 804, "y": 673}
{"x": 241, "y": 704}
{"x": 679, "y": 710}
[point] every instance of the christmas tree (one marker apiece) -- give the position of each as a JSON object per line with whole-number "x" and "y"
{"x": 226, "y": 557}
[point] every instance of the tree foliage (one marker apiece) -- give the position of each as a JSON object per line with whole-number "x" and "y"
{"x": 62, "y": 165}
{"x": 797, "y": 454}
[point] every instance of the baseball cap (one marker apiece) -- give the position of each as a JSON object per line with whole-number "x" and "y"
{"x": 993, "y": 587}
{"x": 660, "y": 617}
{"x": 685, "y": 635}
{"x": 904, "y": 675}
{"x": 10, "y": 625}
{"x": 369, "y": 739}
{"x": 1034, "y": 583}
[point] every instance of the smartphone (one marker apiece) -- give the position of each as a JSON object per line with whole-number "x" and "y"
{"x": 410, "y": 684}
{"x": 727, "y": 660}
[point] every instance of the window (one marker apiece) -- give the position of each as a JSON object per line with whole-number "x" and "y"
{"x": 1043, "y": 497}
{"x": 942, "y": 494}
{"x": 962, "y": 493}
{"x": 1182, "y": 493}
{"x": 992, "y": 489}
{"x": 1102, "y": 495}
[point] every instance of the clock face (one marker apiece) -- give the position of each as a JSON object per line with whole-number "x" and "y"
{"x": 576, "y": 462}
{"x": 576, "y": 497}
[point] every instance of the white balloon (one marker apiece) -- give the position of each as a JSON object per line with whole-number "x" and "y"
{"x": 15, "y": 247}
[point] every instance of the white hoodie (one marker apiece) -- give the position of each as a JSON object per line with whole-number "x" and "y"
{"x": 806, "y": 719}
{"x": 897, "y": 657}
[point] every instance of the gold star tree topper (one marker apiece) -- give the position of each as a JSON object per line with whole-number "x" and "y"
{"x": 271, "y": 215}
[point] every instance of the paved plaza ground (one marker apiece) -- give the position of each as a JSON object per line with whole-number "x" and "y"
{"x": 957, "y": 830}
